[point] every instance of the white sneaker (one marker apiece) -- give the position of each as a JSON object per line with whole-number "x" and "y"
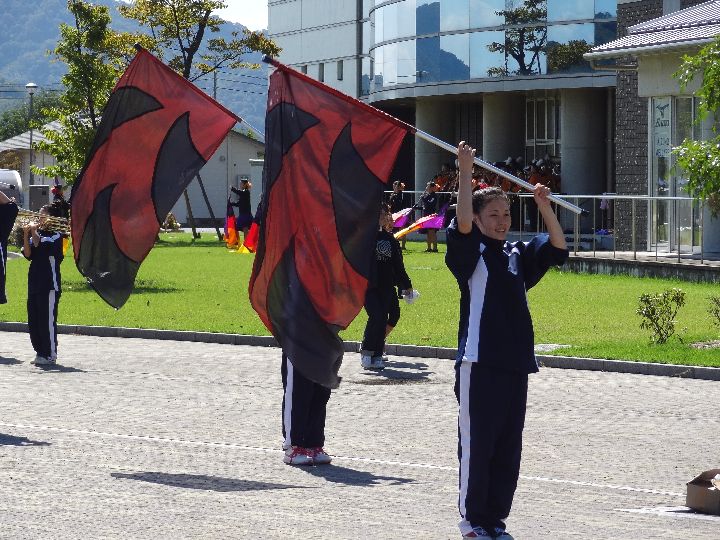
{"x": 378, "y": 362}
{"x": 366, "y": 361}
{"x": 296, "y": 455}
{"x": 320, "y": 456}
{"x": 41, "y": 361}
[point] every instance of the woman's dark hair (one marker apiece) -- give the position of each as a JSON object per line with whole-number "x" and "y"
{"x": 482, "y": 197}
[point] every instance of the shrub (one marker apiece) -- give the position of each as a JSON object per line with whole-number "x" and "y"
{"x": 714, "y": 309}
{"x": 658, "y": 313}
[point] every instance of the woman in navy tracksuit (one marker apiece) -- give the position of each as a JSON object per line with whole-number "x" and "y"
{"x": 44, "y": 250}
{"x": 495, "y": 344}
{"x": 381, "y": 297}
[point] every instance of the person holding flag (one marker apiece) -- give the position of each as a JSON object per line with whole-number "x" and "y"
{"x": 495, "y": 343}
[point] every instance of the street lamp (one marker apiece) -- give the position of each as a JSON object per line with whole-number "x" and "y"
{"x": 31, "y": 89}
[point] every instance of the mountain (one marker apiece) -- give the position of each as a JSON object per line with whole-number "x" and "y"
{"x": 32, "y": 29}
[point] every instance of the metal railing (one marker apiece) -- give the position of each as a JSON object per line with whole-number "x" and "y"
{"x": 651, "y": 225}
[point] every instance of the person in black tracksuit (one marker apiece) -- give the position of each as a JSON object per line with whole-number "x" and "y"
{"x": 304, "y": 409}
{"x": 399, "y": 200}
{"x": 495, "y": 344}
{"x": 381, "y": 297}
{"x": 44, "y": 250}
{"x": 8, "y": 213}
{"x": 429, "y": 204}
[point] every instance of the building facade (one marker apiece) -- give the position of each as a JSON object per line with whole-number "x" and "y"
{"x": 654, "y": 115}
{"x": 506, "y": 75}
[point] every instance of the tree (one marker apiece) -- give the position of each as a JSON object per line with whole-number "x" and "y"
{"x": 16, "y": 120}
{"x": 526, "y": 32}
{"x": 95, "y": 56}
{"x": 563, "y": 56}
{"x": 178, "y": 29}
{"x": 699, "y": 159}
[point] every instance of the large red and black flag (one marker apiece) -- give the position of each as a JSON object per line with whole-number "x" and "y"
{"x": 327, "y": 158}
{"x": 156, "y": 133}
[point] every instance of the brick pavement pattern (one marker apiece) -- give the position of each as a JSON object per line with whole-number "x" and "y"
{"x": 135, "y": 438}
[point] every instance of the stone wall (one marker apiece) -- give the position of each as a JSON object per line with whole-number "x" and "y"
{"x": 631, "y": 134}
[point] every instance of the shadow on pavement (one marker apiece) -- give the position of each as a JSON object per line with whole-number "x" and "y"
{"x": 201, "y": 481}
{"x": 12, "y": 440}
{"x": 9, "y": 361}
{"x": 351, "y": 477}
{"x": 60, "y": 369}
{"x": 394, "y": 374}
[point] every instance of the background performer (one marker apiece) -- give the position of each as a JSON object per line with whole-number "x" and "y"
{"x": 44, "y": 249}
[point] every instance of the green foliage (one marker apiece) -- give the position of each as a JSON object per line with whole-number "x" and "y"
{"x": 594, "y": 314}
{"x": 561, "y": 56}
{"x": 178, "y": 28}
{"x": 658, "y": 312}
{"x": 94, "y": 55}
{"x": 714, "y": 309}
{"x": 700, "y": 160}
{"x": 526, "y": 33}
{"x": 16, "y": 120}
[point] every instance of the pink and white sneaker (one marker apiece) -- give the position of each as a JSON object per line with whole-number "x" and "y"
{"x": 320, "y": 456}
{"x": 296, "y": 455}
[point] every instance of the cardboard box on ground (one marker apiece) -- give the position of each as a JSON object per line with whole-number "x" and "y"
{"x": 702, "y": 495}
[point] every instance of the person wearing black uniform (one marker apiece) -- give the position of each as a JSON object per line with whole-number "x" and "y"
{"x": 245, "y": 217}
{"x": 429, "y": 204}
{"x": 495, "y": 344}
{"x": 44, "y": 250}
{"x": 304, "y": 409}
{"x": 381, "y": 298}
{"x": 399, "y": 200}
{"x": 8, "y": 213}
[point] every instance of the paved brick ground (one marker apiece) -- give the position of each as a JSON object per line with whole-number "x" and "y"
{"x": 135, "y": 438}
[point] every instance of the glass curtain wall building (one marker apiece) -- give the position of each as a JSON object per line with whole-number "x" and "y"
{"x": 507, "y": 75}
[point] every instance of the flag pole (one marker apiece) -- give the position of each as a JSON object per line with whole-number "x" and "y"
{"x": 485, "y": 165}
{"x": 421, "y": 134}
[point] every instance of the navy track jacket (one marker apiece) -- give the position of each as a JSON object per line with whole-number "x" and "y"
{"x": 493, "y": 275}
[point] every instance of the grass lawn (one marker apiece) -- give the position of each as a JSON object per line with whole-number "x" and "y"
{"x": 201, "y": 286}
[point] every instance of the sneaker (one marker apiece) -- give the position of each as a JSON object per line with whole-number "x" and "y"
{"x": 478, "y": 532}
{"x": 320, "y": 456}
{"x": 366, "y": 361}
{"x": 295, "y": 455}
{"x": 378, "y": 362}
{"x": 41, "y": 361}
{"x": 502, "y": 534}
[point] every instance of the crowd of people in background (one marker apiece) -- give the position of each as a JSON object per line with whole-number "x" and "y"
{"x": 440, "y": 195}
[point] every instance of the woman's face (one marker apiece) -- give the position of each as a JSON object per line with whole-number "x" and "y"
{"x": 494, "y": 219}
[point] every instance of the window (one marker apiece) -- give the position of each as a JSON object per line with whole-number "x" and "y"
{"x": 339, "y": 70}
{"x": 321, "y": 72}
{"x": 303, "y": 69}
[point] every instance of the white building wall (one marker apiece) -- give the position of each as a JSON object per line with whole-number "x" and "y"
{"x": 655, "y": 76}
{"x": 230, "y": 162}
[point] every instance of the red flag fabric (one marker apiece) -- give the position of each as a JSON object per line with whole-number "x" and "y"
{"x": 327, "y": 158}
{"x": 250, "y": 241}
{"x": 156, "y": 133}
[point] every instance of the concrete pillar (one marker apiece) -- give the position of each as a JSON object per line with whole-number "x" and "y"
{"x": 503, "y": 126}
{"x": 436, "y": 117}
{"x": 582, "y": 133}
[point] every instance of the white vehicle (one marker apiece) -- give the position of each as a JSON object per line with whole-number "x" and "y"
{"x": 11, "y": 184}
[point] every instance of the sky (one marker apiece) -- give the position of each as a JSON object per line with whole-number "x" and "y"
{"x": 250, "y": 13}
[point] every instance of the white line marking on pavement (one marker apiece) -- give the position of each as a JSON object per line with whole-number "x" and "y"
{"x": 261, "y": 449}
{"x": 671, "y": 511}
